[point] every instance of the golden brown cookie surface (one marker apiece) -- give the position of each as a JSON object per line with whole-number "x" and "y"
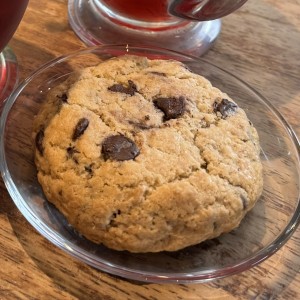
{"x": 143, "y": 155}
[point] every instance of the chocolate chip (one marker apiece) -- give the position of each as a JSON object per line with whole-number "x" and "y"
{"x": 116, "y": 213}
{"x": 63, "y": 97}
{"x": 39, "y": 141}
{"x": 147, "y": 117}
{"x": 89, "y": 169}
{"x": 204, "y": 165}
{"x": 119, "y": 147}
{"x": 225, "y": 107}
{"x": 113, "y": 217}
{"x": 80, "y": 128}
{"x": 71, "y": 151}
{"x": 119, "y": 88}
{"x": 171, "y": 107}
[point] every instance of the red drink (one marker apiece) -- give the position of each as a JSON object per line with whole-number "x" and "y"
{"x": 158, "y": 10}
{"x": 140, "y": 10}
{"x": 11, "y": 13}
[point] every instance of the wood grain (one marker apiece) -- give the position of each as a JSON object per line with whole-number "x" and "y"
{"x": 260, "y": 43}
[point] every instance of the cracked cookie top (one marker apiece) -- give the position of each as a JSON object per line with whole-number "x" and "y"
{"x": 146, "y": 156}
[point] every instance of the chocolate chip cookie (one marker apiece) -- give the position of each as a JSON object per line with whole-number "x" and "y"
{"x": 146, "y": 156}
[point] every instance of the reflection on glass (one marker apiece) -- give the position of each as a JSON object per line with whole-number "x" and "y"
{"x": 11, "y": 13}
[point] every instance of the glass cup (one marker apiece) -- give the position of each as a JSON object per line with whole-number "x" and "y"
{"x": 189, "y": 26}
{"x": 11, "y": 13}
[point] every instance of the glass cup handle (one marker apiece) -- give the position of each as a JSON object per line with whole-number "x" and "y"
{"x": 203, "y": 10}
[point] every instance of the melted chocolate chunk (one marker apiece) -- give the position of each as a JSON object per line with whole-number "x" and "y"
{"x": 80, "y": 128}
{"x": 39, "y": 141}
{"x": 119, "y": 88}
{"x": 119, "y": 147}
{"x": 226, "y": 108}
{"x": 171, "y": 107}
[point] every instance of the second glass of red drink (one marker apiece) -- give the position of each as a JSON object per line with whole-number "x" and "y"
{"x": 11, "y": 13}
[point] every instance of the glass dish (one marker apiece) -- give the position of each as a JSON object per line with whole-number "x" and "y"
{"x": 263, "y": 231}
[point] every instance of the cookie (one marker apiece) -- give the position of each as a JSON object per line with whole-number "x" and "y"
{"x": 146, "y": 156}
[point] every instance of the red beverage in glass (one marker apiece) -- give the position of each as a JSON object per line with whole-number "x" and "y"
{"x": 11, "y": 13}
{"x": 165, "y": 10}
{"x": 141, "y": 10}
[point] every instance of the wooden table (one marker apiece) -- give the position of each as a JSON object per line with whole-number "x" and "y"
{"x": 260, "y": 43}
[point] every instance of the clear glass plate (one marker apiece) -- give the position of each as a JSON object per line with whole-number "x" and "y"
{"x": 263, "y": 231}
